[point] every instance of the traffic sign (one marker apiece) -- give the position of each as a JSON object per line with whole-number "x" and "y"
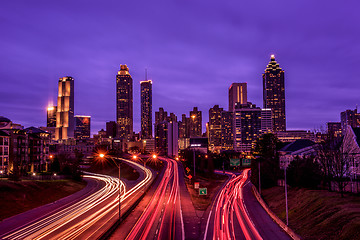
{"x": 234, "y": 162}
{"x": 190, "y": 177}
{"x": 202, "y": 191}
{"x": 246, "y": 162}
{"x": 196, "y": 185}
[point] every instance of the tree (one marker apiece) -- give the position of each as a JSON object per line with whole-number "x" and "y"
{"x": 304, "y": 172}
{"x": 332, "y": 156}
{"x": 266, "y": 151}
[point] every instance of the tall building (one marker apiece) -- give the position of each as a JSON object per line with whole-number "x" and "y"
{"x": 146, "y": 109}
{"x": 266, "y": 121}
{"x": 124, "y": 102}
{"x": 274, "y": 94}
{"x": 160, "y": 116}
{"x": 214, "y": 128}
{"x": 237, "y": 94}
{"x": 51, "y": 116}
{"x": 349, "y": 118}
{"x": 227, "y": 132}
{"x": 111, "y": 129}
{"x": 65, "y": 121}
{"x": 195, "y": 123}
{"x": 82, "y": 127}
{"x": 247, "y": 126}
{"x": 172, "y": 139}
{"x": 184, "y": 127}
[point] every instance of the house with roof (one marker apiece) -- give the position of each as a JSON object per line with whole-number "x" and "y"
{"x": 297, "y": 148}
{"x": 351, "y": 150}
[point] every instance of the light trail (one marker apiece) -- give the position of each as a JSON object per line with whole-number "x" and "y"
{"x": 230, "y": 204}
{"x": 162, "y": 206}
{"x": 74, "y": 220}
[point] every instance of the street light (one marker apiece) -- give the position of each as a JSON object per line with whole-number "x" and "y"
{"x": 101, "y": 155}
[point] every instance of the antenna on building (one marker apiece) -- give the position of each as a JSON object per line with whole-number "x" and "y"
{"x": 145, "y": 74}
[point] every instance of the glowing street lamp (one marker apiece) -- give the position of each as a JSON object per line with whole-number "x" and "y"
{"x": 101, "y": 155}
{"x": 154, "y": 156}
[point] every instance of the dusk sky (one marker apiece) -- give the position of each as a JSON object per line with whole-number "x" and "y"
{"x": 193, "y": 51}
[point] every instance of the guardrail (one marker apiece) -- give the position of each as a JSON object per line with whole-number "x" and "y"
{"x": 275, "y": 218}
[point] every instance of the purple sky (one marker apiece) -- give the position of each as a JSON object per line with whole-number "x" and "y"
{"x": 193, "y": 51}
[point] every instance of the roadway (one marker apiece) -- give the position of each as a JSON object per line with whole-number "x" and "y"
{"x": 236, "y": 214}
{"x": 159, "y": 214}
{"x": 86, "y": 216}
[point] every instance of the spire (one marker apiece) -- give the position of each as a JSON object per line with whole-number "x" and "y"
{"x": 273, "y": 65}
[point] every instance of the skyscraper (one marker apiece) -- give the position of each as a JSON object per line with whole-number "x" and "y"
{"x": 247, "y": 126}
{"x": 51, "y": 116}
{"x": 227, "y": 130}
{"x": 65, "y": 109}
{"x": 237, "y": 94}
{"x": 146, "y": 109}
{"x": 124, "y": 102}
{"x": 214, "y": 128}
{"x": 274, "y": 94}
{"x": 82, "y": 127}
{"x": 195, "y": 123}
{"x": 184, "y": 127}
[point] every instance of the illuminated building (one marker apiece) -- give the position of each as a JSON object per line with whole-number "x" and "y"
{"x": 293, "y": 135}
{"x": 146, "y": 109}
{"x": 82, "y": 127}
{"x": 227, "y": 132}
{"x": 184, "y": 129}
{"x": 195, "y": 123}
{"x": 274, "y": 94}
{"x": 51, "y": 116}
{"x": 214, "y": 128}
{"x": 349, "y": 118}
{"x": 247, "y": 126}
{"x": 160, "y": 116}
{"x": 237, "y": 94}
{"x": 65, "y": 109}
{"x": 334, "y": 129}
{"x": 124, "y": 102}
{"x": 166, "y": 133}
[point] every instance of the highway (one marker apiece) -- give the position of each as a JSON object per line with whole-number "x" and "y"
{"x": 86, "y": 218}
{"x": 236, "y": 214}
{"x": 162, "y": 217}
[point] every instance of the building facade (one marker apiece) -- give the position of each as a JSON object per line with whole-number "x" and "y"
{"x": 111, "y": 129}
{"x": 146, "y": 109}
{"x": 274, "y": 94}
{"x": 237, "y": 94}
{"x": 227, "y": 130}
{"x": 334, "y": 129}
{"x": 349, "y": 118}
{"x": 65, "y": 122}
{"x": 82, "y": 127}
{"x": 214, "y": 128}
{"x": 51, "y": 116}
{"x": 247, "y": 126}
{"x": 195, "y": 123}
{"x": 124, "y": 102}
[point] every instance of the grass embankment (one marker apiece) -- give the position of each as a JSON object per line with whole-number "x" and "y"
{"x": 203, "y": 202}
{"x": 18, "y": 197}
{"x": 317, "y": 214}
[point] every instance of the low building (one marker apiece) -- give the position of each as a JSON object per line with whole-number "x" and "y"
{"x": 297, "y": 148}
{"x": 293, "y": 135}
{"x": 351, "y": 150}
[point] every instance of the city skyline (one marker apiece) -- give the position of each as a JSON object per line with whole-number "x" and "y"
{"x": 186, "y": 71}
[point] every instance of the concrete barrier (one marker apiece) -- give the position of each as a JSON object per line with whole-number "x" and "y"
{"x": 275, "y": 218}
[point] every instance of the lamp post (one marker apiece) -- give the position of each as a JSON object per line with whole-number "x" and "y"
{"x": 101, "y": 155}
{"x": 286, "y": 200}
